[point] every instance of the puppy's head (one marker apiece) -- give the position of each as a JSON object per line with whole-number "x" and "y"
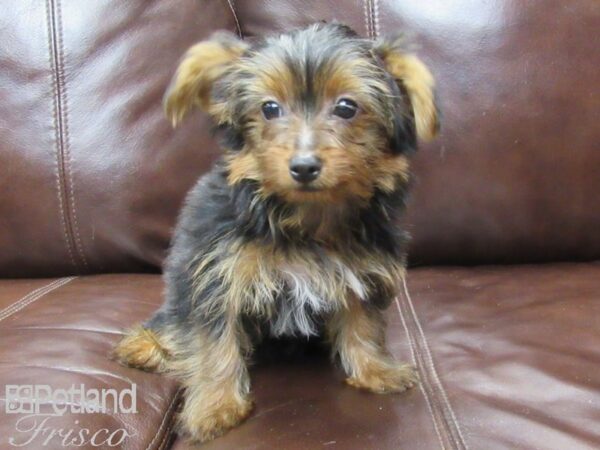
{"x": 316, "y": 115}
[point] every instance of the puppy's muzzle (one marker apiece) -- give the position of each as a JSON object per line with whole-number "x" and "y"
{"x": 305, "y": 168}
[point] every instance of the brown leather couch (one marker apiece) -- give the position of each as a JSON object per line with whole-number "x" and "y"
{"x": 501, "y": 311}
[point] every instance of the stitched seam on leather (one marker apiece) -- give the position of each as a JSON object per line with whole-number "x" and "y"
{"x": 426, "y": 395}
{"x": 367, "y": 15}
{"x": 235, "y": 17}
{"x": 425, "y": 376}
{"x": 375, "y": 17}
{"x": 451, "y": 422}
{"x": 168, "y": 415}
{"x": 68, "y": 158}
{"x": 57, "y": 127}
{"x": 33, "y": 296}
{"x": 4, "y": 312}
{"x": 165, "y": 439}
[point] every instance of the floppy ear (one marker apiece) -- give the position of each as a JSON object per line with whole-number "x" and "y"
{"x": 201, "y": 66}
{"x": 415, "y": 79}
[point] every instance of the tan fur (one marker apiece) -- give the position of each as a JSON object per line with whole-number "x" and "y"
{"x": 357, "y": 336}
{"x": 391, "y": 170}
{"x": 142, "y": 348}
{"x": 213, "y": 373}
{"x": 253, "y": 275}
{"x": 274, "y": 77}
{"x": 419, "y": 83}
{"x": 201, "y": 66}
{"x": 242, "y": 166}
{"x": 217, "y": 385}
{"x": 342, "y": 80}
{"x": 351, "y": 172}
{"x": 247, "y": 279}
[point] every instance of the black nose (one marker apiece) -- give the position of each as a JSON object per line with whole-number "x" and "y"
{"x": 305, "y": 168}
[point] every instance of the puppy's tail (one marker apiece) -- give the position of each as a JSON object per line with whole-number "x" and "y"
{"x": 142, "y": 348}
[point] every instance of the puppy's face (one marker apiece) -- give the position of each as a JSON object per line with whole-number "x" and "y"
{"x": 317, "y": 115}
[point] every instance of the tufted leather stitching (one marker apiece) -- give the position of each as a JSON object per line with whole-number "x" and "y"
{"x": 67, "y": 146}
{"x": 167, "y": 421}
{"x": 433, "y": 389}
{"x": 56, "y": 115}
{"x": 33, "y": 296}
{"x": 371, "y": 13}
{"x": 166, "y": 438}
{"x": 431, "y": 364}
{"x": 375, "y": 18}
{"x": 423, "y": 387}
{"x": 367, "y": 15}
{"x": 64, "y": 175}
{"x": 235, "y": 17}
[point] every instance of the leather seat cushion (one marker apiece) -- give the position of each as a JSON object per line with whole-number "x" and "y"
{"x": 507, "y": 357}
{"x": 59, "y": 333}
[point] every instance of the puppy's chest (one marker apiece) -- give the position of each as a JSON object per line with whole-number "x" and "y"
{"x": 312, "y": 290}
{"x": 293, "y": 290}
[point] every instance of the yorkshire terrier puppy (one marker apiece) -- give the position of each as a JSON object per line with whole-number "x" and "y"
{"x": 295, "y": 231}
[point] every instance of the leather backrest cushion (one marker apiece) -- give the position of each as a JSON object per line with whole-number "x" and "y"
{"x": 92, "y": 174}
{"x": 514, "y": 175}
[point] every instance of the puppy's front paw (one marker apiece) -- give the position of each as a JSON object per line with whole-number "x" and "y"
{"x": 385, "y": 379}
{"x": 213, "y": 423}
{"x": 141, "y": 348}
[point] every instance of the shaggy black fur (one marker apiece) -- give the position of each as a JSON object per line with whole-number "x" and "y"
{"x": 215, "y": 211}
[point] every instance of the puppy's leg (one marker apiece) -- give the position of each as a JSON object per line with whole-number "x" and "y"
{"x": 357, "y": 335}
{"x": 217, "y": 384}
{"x": 143, "y": 348}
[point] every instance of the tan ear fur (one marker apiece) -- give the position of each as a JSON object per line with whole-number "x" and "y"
{"x": 419, "y": 83}
{"x": 201, "y": 66}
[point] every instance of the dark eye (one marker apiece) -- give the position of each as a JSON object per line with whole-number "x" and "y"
{"x": 345, "y": 108}
{"x": 271, "y": 110}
